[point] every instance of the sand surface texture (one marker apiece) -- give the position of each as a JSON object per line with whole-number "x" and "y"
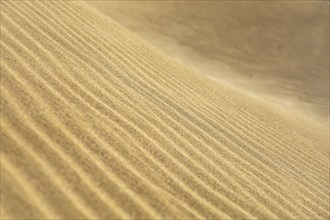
{"x": 96, "y": 123}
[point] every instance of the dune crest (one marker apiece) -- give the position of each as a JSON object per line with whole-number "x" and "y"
{"x": 96, "y": 123}
{"x": 277, "y": 51}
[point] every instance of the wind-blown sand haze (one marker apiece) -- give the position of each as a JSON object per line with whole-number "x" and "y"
{"x": 97, "y": 123}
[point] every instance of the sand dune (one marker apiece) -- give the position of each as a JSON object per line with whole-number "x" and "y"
{"x": 98, "y": 124}
{"x": 275, "y": 50}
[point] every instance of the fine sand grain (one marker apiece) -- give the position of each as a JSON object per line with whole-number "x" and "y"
{"x": 98, "y": 124}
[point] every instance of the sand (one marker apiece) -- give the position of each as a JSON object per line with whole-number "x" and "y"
{"x": 97, "y": 123}
{"x": 275, "y": 50}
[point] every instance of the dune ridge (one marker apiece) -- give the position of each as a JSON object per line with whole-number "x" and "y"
{"x": 275, "y": 50}
{"x": 96, "y": 123}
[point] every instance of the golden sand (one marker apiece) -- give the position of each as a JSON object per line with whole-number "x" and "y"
{"x": 98, "y": 124}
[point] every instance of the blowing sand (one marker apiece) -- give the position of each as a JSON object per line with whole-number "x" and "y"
{"x": 98, "y": 124}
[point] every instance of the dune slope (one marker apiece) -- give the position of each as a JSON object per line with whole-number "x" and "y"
{"x": 96, "y": 123}
{"x": 276, "y": 50}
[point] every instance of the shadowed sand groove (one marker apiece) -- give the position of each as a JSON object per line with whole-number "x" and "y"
{"x": 97, "y": 123}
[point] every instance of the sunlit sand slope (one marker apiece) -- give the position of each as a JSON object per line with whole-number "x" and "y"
{"x": 96, "y": 123}
{"x": 276, "y": 50}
